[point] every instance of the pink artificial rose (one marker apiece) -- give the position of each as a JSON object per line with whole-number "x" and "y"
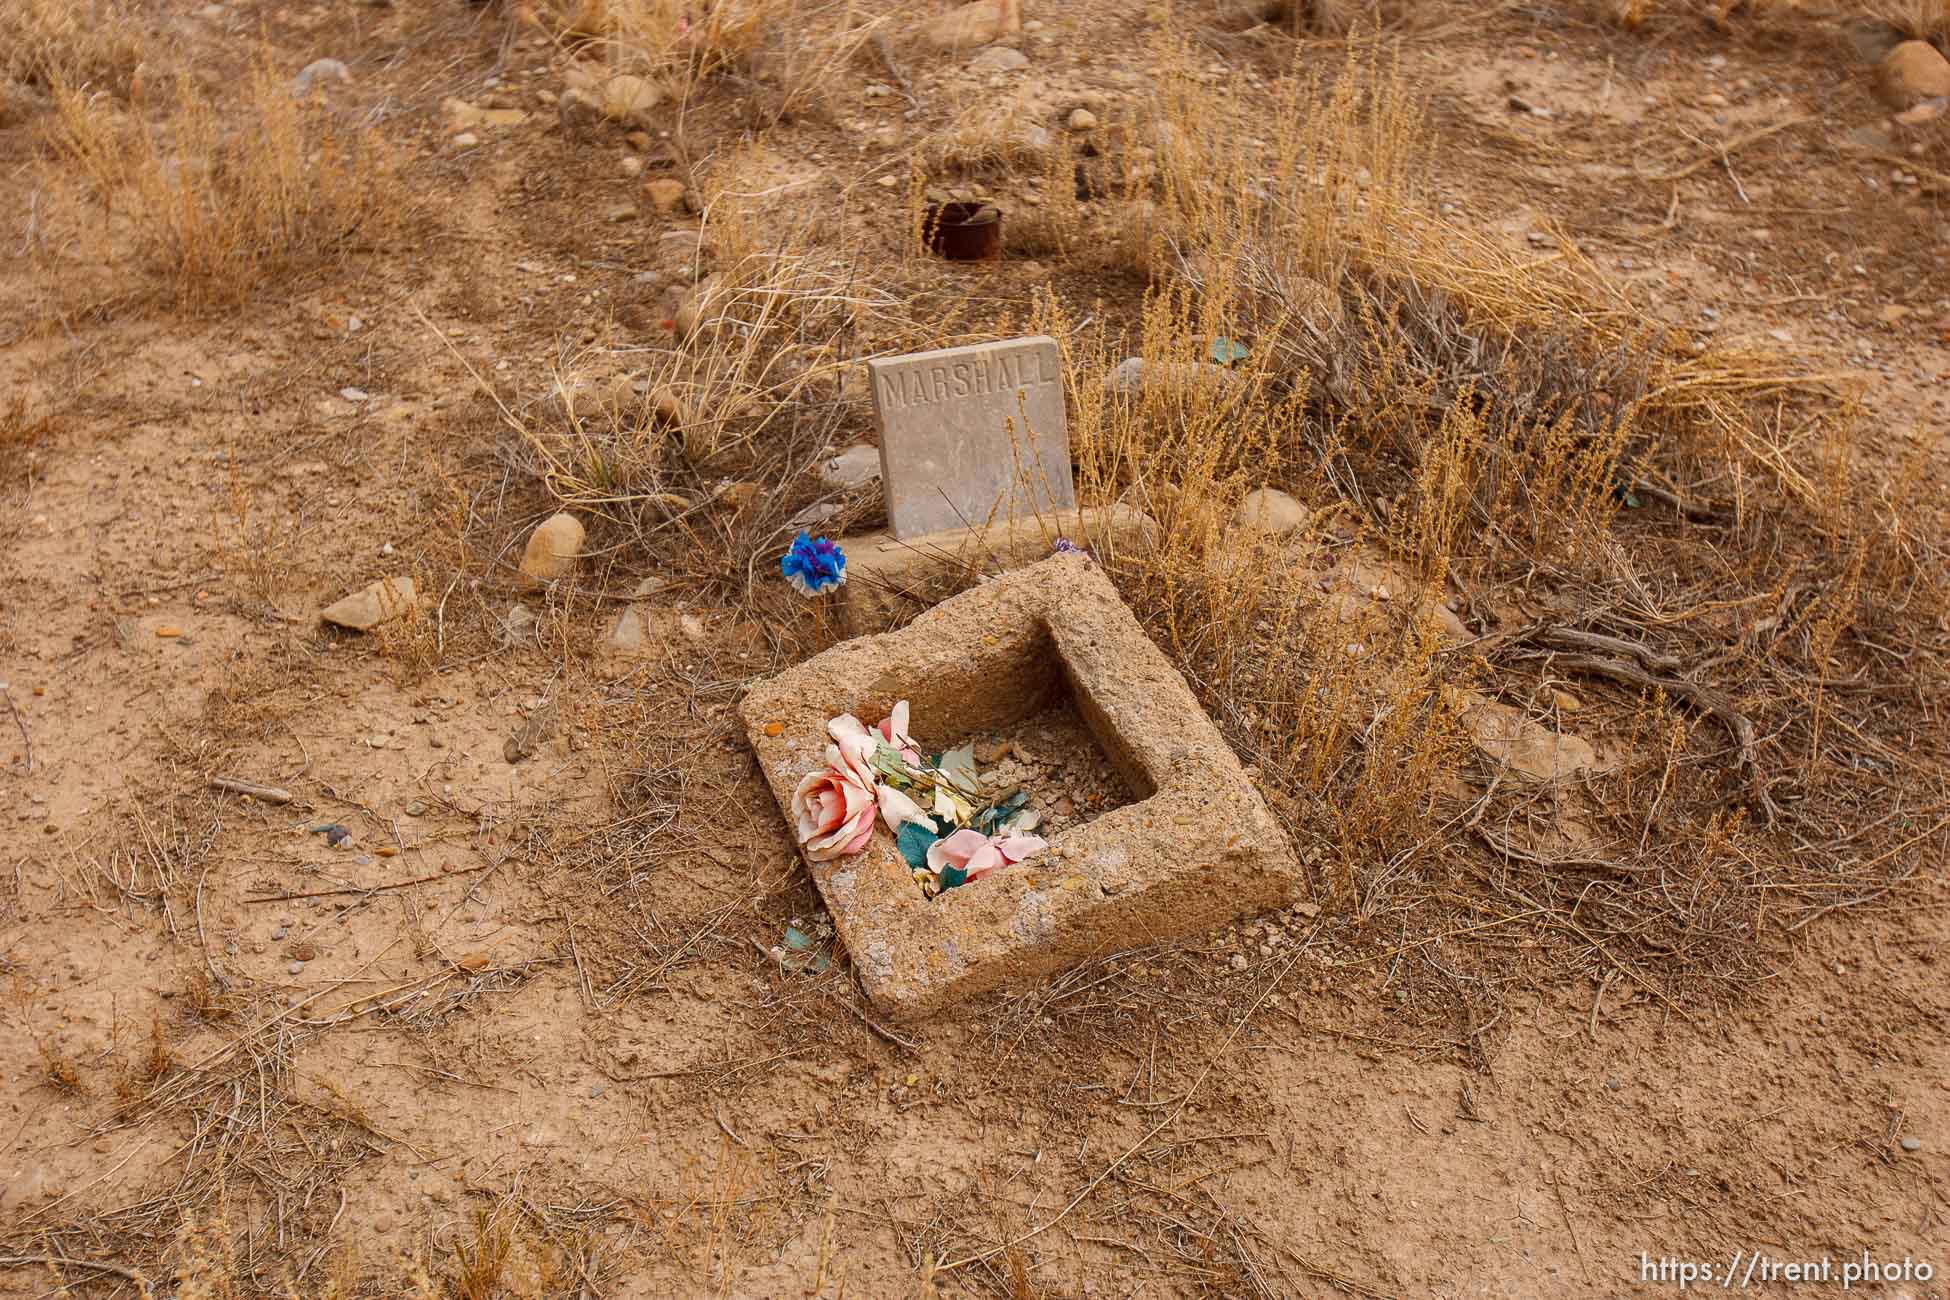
{"x": 979, "y": 854}
{"x": 855, "y": 744}
{"x": 835, "y": 806}
{"x": 893, "y": 730}
{"x": 835, "y": 811}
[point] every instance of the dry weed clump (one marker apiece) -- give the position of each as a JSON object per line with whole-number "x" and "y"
{"x": 95, "y": 44}
{"x": 792, "y": 50}
{"x": 213, "y": 209}
{"x": 1916, "y": 20}
{"x": 1507, "y": 435}
{"x": 708, "y": 437}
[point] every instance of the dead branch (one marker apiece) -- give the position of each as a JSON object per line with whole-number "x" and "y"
{"x": 25, "y": 739}
{"x": 1703, "y": 697}
{"x": 58, "y": 1261}
{"x": 1727, "y": 148}
{"x": 262, "y": 793}
{"x": 1579, "y": 639}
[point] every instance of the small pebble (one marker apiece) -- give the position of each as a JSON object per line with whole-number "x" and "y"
{"x": 1912, "y": 1144}
{"x": 355, "y": 394}
{"x": 1238, "y": 961}
{"x": 296, "y": 967}
{"x": 280, "y": 932}
{"x": 595, "y": 1090}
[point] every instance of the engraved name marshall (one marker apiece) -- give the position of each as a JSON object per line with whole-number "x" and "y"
{"x": 928, "y": 384}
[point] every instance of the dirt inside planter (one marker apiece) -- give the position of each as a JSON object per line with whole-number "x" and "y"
{"x": 1053, "y": 757}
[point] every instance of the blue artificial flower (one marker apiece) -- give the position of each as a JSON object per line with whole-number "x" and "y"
{"x": 813, "y": 564}
{"x": 1064, "y": 546}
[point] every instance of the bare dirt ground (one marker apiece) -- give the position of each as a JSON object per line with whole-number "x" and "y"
{"x": 523, "y": 1033}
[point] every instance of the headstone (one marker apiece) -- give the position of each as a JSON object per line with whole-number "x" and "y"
{"x": 972, "y": 434}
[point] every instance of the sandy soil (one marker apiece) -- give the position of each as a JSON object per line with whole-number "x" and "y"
{"x": 544, "y": 991}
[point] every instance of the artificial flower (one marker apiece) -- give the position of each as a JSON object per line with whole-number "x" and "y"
{"x": 896, "y": 809}
{"x": 834, "y": 809}
{"x": 856, "y": 745}
{"x": 812, "y": 564}
{"x": 893, "y": 729}
{"x": 835, "y": 806}
{"x": 974, "y": 855}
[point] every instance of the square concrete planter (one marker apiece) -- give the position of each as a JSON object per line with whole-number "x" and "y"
{"x": 889, "y": 581}
{"x": 1197, "y": 848}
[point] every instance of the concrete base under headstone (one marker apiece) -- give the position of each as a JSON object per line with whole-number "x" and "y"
{"x": 889, "y": 581}
{"x": 1199, "y": 847}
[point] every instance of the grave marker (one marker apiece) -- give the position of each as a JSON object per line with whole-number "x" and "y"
{"x": 972, "y": 434}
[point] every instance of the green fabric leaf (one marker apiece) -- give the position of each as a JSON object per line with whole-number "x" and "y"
{"x": 914, "y": 841}
{"x": 887, "y": 761}
{"x": 952, "y": 876}
{"x": 991, "y": 820}
{"x": 958, "y": 765}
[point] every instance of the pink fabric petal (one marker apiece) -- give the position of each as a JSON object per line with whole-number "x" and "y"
{"x": 896, "y": 809}
{"x": 846, "y": 728}
{"x": 955, "y": 850}
{"x": 859, "y": 840}
{"x": 984, "y": 860}
{"x": 1017, "y": 847}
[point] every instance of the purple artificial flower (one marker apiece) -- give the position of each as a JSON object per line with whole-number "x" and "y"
{"x": 812, "y": 564}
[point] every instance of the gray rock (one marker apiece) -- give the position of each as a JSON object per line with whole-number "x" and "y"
{"x": 577, "y": 112}
{"x": 553, "y": 547}
{"x": 1912, "y": 1144}
{"x": 376, "y": 603}
{"x": 817, "y": 513}
{"x": 355, "y": 394}
{"x": 1133, "y": 375}
{"x": 1270, "y": 510}
{"x": 319, "y": 70}
{"x": 856, "y": 465}
{"x": 998, "y": 58}
{"x": 296, "y": 967}
{"x": 280, "y": 932}
{"x": 1032, "y": 141}
{"x": 1913, "y": 70}
{"x": 628, "y": 634}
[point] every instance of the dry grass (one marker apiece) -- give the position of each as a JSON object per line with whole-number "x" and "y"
{"x": 212, "y": 210}
{"x": 785, "y": 54}
{"x": 1481, "y": 419}
{"x": 93, "y": 44}
{"x": 1917, "y": 20}
{"x": 22, "y": 429}
{"x": 1923, "y": 20}
{"x": 1490, "y": 430}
